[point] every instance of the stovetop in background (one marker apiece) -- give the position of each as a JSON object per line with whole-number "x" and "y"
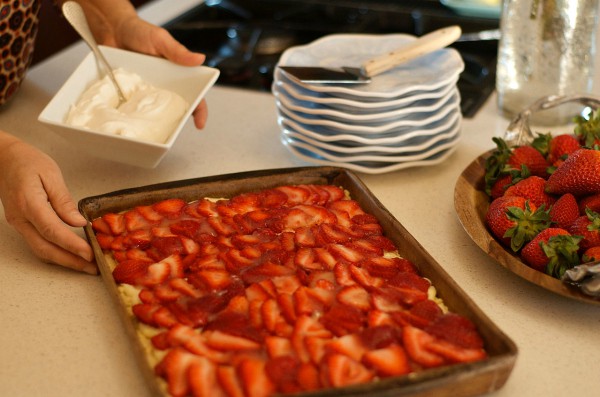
{"x": 245, "y": 38}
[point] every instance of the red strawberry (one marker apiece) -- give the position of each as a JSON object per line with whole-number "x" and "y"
{"x": 202, "y": 379}
{"x": 505, "y": 159}
{"x": 415, "y": 342}
{"x": 229, "y": 381}
{"x": 532, "y": 189}
{"x": 579, "y": 174}
{"x": 115, "y": 222}
{"x": 255, "y": 381}
{"x": 592, "y": 202}
{"x": 591, "y": 254}
{"x": 388, "y": 361}
{"x": 344, "y": 371}
{"x": 457, "y": 330}
{"x": 564, "y": 211}
{"x": 170, "y": 208}
{"x": 587, "y": 226}
{"x": 130, "y": 271}
{"x": 515, "y": 221}
{"x": 560, "y": 147}
{"x": 552, "y": 251}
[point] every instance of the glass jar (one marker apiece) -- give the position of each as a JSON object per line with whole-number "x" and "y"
{"x": 547, "y": 47}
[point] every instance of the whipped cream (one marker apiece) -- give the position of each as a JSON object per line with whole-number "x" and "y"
{"x": 149, "y": 114}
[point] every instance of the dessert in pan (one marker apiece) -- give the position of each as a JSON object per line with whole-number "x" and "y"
{"x": 284, "y": 282}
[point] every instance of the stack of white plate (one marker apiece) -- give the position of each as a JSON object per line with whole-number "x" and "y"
{"x": 408, "y": 116}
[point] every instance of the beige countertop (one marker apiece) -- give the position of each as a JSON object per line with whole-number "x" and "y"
{"x": 61, "y": 336}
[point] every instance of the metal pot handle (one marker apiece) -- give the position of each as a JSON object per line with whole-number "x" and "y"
{"x": 518, "y": 132}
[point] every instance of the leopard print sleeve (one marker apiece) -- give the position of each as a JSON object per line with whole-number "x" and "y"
{"x": 18, "y": 29}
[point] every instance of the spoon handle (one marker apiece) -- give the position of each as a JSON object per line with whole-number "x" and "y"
{"x": 76, "y": 17}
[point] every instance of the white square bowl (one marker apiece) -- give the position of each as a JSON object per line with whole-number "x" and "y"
{"x": 191, "y": 83}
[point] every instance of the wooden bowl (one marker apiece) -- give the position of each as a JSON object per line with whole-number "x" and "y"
{"x": 471, "y": 204}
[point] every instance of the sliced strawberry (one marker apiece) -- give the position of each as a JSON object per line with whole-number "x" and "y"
{"x": 229, "y": 381}
{"x": 345, "y": 253}
{"x": 410, "y": 280}
{"x": 456, "y": 329}
{"x": 115, "y": 222}
{"x": 202, "y": 379}
{"x": 342, "y": 319}
{"x": 282, "y": 371}
{"x": 344, "y": 371}
{"x": 145, "y": 312}
{"x": 387, "y": 268}
{"x": 226, "y": 342}
{"x": 455, "y": 353}
{"x": 388, "y": 361}
{"x": 169, "y": 208}
{"x": 416, "y": 342}
{"x": 221, "y": 226}
{"x": 307, "y": 303}
{"x": 206, "y": 208}
{"x": 160, "y": 342}
{"x": 304, "y": 237}
{"x": 100, "y": 226}
{"x": 342, "y": 275}
{"x": 264, "y": 271}
{"x": 163, "y": 317}
{"x": 277, "y": 346}
{"x": 307, "y": 327}
{"x": 350, "y": 345}
{"x": 309, "y": 377}
{"x": 105, "y": 240}
{"x": 286, "y": 284}
{"x": 174, "y": 368}
{"x": 295, "y": 194}
{"x": 364, "y": 278}
{"x": 130, "y": 271}
{"x": 316, "y": 348}
{"x": 380, "y": 336}
{"x": 135, "y": 221}
{"x": 139, "y": 239}
{"x": 378, "y": 318}
{"x": 168, "y": 245}
{"x": 149, "y": 214}
{"x": 355, "y": 296}
{"x": 214, "y": 279}
{"x": 186, "y": 227}
{"x": 165, "y": 293}
{"x": 349, "y": 207}
{"x": 272, "y": 198}
{"x": 255, "y": 381}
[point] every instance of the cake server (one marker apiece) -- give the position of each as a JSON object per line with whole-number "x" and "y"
{"x": 361, "y": 75}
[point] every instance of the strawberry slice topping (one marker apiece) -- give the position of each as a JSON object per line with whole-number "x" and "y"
{"x": 279, "y": 291}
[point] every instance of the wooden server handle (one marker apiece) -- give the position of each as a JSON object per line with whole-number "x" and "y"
{"x": 423, "y": 45}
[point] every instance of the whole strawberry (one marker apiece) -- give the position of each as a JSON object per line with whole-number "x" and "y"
{"x": 587, "y": 226}
{"x": 504, "y": 159}
{"x": 591, "y": 254}
{"x": 560, "y": 147}
{"x": 515, "y": 221}
{"x": 553, "y": 251}
{"x": 532, "y": 189}
{"x": 506, "y": 180}
{"x": 592, "y": 202}
{"x": 564, "y": 211}
{"x": 579, "y": 174}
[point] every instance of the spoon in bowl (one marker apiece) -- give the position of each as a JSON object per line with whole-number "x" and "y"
{"x": 74, "y": 14}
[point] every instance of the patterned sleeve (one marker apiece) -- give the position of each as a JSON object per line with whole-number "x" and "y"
{"x": 18, "y": 29}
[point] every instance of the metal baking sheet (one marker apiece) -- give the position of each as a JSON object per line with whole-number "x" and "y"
{"x": 460, "y": 380}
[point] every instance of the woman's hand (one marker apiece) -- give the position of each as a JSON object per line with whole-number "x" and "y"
{"x": 116, "y": 23}
{"x": 38, "y": 205}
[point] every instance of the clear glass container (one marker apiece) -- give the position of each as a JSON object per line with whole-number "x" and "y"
{"x": 547, "y": 47}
